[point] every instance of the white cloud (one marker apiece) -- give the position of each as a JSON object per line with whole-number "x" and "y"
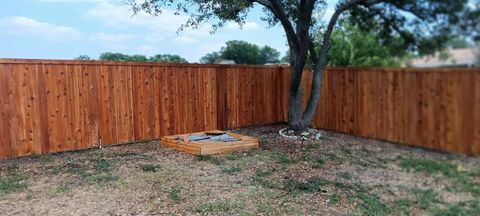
{"x": 121, "y": 16}
{"x": 158, "y": 27}
{"x": 113, "y": 38}
{"x": 246, "y": 26}
{"x": 49, "y": 31}
{"x": 185, "y": 40}
{"x": 73, "y": 1}
{"x": 147, "y": 49}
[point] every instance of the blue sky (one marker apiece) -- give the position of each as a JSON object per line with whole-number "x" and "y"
{"x": 64, "y": 29}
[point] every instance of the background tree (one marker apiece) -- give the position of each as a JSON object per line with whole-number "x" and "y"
{"x": 210, "y": 58}
{"x": 162, "y": 58}
{"x": 268, "y": 55}
{"x": 83, "y": 58}
{"x": 110, "y": 56}
{"x": 168, "y": 58}
{"x": 243, "y": 52}
{"x": 423, "y": 25}
{"x": 458, "y": 43}
{"x": 356, "y": 48}
{"x": 353, "y": 47}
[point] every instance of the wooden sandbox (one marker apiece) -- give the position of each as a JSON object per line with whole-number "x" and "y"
{"x": 208, "y": 147}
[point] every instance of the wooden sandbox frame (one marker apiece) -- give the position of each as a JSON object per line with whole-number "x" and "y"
{"x": 207, "y": 147}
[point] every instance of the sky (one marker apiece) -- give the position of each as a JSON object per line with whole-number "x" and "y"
{"x": 64, "y": 29}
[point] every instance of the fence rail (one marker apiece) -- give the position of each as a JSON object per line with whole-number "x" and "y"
{"x": 60, "y": 105}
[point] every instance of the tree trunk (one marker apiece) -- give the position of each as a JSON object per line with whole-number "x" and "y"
{"x": 296, "y": 119}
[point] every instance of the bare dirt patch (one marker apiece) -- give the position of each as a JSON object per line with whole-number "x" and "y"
{"x": 337, "y": 175}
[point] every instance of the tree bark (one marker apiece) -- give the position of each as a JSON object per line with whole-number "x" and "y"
{"x": 301, "y": 44}
{"x": 299, "y": 120}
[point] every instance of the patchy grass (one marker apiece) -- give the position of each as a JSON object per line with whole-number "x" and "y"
{"x": 101, "y": 179}
{"x": 460, "y": 209}
{"x": 261, "y": 177}
{"x": 231, "y": 170}
{"x": 216, "y": 207}
{"x": 426, "y": 198}
{"x": 371, "y": 204}
{"x": 313, "y": 184}
{"x": 341, "y": 175}
{"x": 209, "y": 158}
{"x": 102, "y": 165}
{"x": 312, "y": 146}
{"x": 346, "y": 175}
{"x": 318, "y": 163}
{"x": 174, "y": 193}
{"x": 12, "y": 183}
{"x": 59, "y": 190}
{"x": 334, "y": 198}
{"x": 461, "y": 179}
{"x": 283, "y": 158}
{"x": 149, "y": 167}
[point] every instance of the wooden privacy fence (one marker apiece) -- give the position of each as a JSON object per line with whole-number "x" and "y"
{"x": 432, "y": 108}
{"x": 52, "y": 106}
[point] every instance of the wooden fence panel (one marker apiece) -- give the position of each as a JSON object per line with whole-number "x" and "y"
{"x": 52, "y": 106}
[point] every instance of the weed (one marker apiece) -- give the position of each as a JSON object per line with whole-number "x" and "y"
{"x": 260, "y": 177}
{"x": 426, "y": 198}
{"x": 149, "y": 167}
{"x": 360, "y": 162}
{"x": 461, "y": 179}
{"x": 334, "y": 157}
{"x": 347, "y": 151}
{"x": 59, "y": 190}
{"x": 209, "y": 158}
{"x": 346, "y": 175}
{"x": 334, "y": 198}
{"x": 235, "y": 155}
{"x": 102, "y": 165}
{"x": 283, "y": 158}
{"x": 124, "y": 154}
{"x": 62, "y": 189}
{"x": 231, "y": 170}
{"x": 475, "y": 172}
{"x": 428, "y": 166}
{"x": 345, "y": 187}
{"x": 471, "y": 207}
{"x": 75, "y": 169}
{"x": 216, "y": 207}
{"x": 371, "y": 204}
{"x": 174, "y": 193}
{"x": 313, "y": 146}
{"x": 102, "y": 178}
{"x": 260, "y": 173}
{"x": 12, "y": 183}
{"x": 311, "y": 185}
{"x": 366, "y": 152}
{"x": 402, "y": 205}
{"x": 46, "y": 158}
{"x": 318, "y": 162}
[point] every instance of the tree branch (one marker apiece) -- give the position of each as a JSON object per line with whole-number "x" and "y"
{"x": 322, "y": 58}
{"x": 277, "y": 9}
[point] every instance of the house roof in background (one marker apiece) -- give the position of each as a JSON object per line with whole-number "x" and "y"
{"x": 456, "y": 57}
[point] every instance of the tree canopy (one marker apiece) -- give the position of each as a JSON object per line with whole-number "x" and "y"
{"x": 243, "y": 52}
{"x": 163, "y": 58}
{"x": 168, "y": 58}
{"x": 423, "y": 25}
{"x": 83, "y": 58}
{"x": 354, "y": 47}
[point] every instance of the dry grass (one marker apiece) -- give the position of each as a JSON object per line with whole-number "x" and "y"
{"x": 338, "y": 175}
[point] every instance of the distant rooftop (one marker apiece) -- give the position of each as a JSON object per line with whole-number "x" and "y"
{"x": 452, "y": 58}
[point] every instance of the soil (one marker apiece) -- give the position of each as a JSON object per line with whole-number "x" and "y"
{"x": 339, "y": 174}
